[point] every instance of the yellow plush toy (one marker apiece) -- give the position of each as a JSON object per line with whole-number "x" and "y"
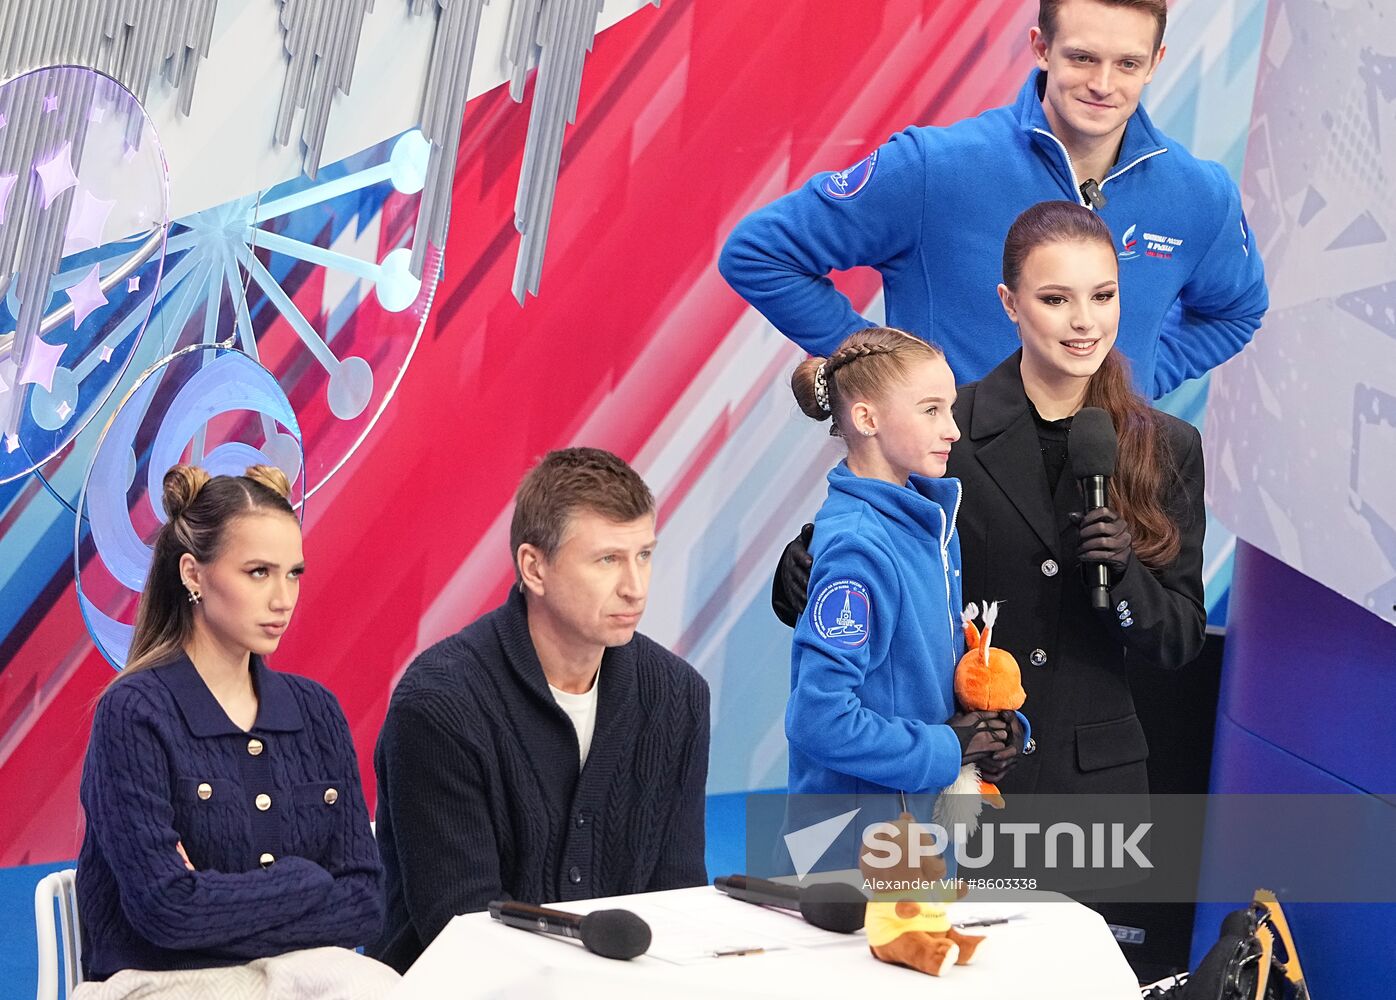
{"x": 912, "y": 928}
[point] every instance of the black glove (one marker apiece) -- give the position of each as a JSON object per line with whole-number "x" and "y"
{"x": 790, "y": 588}
{"x": 996, "y": 767}
{"x": 981, "y": 735}
{"x": 1105, "y": 538}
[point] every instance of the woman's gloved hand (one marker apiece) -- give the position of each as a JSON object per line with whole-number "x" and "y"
{"x": 1105, "y": 538}
{"x": 995, "y": 768}
{"x": 790, "y": 589}
{"x": 981, "y": 735}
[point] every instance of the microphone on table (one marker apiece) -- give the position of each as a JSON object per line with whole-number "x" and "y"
{"x": 1092, "y": 445}
{"x": 830, "y": 906}
{"x": 608, "y": 933}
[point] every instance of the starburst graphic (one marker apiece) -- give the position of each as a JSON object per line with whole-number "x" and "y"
{"x": 40, "y": 363}
{"x": 86, "y": 222}
{"x": 87, "y": 296}
{"x": 56, "y": 173}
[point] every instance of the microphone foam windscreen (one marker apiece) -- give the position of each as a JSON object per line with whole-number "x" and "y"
{"x": 834, "y": 906}
{"x": 615, "y": 934}
{"x": 1092, "y": 443}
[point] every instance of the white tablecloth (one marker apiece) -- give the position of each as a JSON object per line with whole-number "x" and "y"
{"x": 1058, "y": 949}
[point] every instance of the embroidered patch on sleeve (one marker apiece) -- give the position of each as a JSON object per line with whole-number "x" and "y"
{"x": 842, "y": 614}
{"x": 847, "y": 183}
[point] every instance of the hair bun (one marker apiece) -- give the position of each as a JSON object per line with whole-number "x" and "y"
{"x": 804, "y": 384}
{"x": 181, "y": 486}
{"x": 271, "y": 477}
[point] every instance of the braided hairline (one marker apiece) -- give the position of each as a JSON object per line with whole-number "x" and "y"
{"x": 851, "y": 353}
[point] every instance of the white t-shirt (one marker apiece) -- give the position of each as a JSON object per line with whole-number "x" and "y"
{"x": 582, "y": 710}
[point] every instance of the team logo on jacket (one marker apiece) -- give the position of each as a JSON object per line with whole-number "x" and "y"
{"x": 841, "y": 613}
{"x": 1128, "y": 244}
{"x": 1156, "y": 245}
{"x": 847, "y": 183}
{"x": 1161, "y": 247}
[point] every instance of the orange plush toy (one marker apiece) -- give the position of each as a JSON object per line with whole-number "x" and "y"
{"x": 986, "y": 680}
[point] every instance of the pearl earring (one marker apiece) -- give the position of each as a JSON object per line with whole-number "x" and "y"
{"x": 194, "y": 596}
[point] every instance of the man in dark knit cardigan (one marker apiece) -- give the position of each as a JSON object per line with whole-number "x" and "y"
{"x": 546, "y": 752}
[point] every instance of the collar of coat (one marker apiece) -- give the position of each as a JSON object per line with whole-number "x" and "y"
{"x": 615, "y": 698}
{"x": 1007, "y": 447}
{"x": 1141, "y": 138}
{"x": 1000, "y": 400}
{"x": 277, "y": 708}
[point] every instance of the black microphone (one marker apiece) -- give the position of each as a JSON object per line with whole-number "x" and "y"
{"x": 608, "y": 933}
{"x": 830, "y": 906}
{"x": 1092, "y": 445}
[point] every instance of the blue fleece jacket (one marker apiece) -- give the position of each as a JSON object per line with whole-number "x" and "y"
{"x": 930, "y": 210}
{"x": 873, "y": 663}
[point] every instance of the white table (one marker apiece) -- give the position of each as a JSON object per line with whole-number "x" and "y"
{"x": 1058, "y": 949}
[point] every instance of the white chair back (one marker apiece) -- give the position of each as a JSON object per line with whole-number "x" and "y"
{"x": 64, "y": 936}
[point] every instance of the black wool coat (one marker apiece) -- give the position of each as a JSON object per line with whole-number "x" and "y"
{"x": 1019, "y": 546}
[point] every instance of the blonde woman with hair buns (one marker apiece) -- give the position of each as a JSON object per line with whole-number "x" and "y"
{"x": 228, "y": 843}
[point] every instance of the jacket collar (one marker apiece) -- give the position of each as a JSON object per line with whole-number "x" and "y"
{"x": 617, "y": 662}
{"x": 1010, "y": 452}
{"x": 1141, "y": 138}
{"x": 277, "y": 708}
{"x": 922, "y": 506}
{"x": 1000, "y": 399}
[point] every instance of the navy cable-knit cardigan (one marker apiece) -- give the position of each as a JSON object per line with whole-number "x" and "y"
{"x": 272, "y": 818}
{"x": 480, "y": 794}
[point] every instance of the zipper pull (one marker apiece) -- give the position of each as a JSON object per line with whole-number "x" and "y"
{"x": 1090, "y": 190}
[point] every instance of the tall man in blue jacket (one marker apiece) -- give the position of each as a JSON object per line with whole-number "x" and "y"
{"x": 930, "y": 209}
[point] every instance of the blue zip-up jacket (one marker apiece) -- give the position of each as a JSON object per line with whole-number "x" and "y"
{"x": 873, "y": 663}
{"x": 930, "y": 210}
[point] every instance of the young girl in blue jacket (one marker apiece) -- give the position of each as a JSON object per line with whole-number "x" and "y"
{"x": 872, "y": 707}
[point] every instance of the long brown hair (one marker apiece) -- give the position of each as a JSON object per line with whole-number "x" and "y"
{"x": 863, "y": 367}
{"x": 1144, "y": 464}
{"x": 198, "y": 509}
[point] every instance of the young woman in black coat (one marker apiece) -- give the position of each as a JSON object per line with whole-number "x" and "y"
{"x": 1023, "y": 535}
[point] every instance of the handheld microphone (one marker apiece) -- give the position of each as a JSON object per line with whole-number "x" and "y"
{"x": 1092, "y": 445}
{"x": 616, "y": 934}
{"x": 830, "y": 906}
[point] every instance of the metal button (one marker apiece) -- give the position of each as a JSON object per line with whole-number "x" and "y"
{"x": 205, "y": 790}
{"x": 331, "y": 796}
{"x": 263, "y": 802}
{"x": 581, "y": 820}
{"x": 1038, "y": 657}
{"x": 574, "y": 875}
{"x": 255, "y": 747}
{"x": 1122, "y": 606}
{"x": 1049, "y": 567}
{"x": 266, "y": 859}
{"x": 1030, "y": 746}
